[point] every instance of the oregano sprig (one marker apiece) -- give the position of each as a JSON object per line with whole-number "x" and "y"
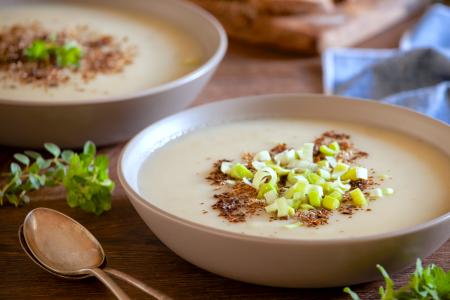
{"x": 426, "y": 283}
{"x": 84, "y": 176}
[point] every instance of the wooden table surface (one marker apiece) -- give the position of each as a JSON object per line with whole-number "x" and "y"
{"x": 132, "y": 247}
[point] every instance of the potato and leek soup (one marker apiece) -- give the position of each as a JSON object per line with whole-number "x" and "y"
{"x": 74, "y": 52}
{"x": 298, "y": 179}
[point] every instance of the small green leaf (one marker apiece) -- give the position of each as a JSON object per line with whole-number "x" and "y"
{"x": 34, "y": 169}
{"x": 60, "y": 174}
{"x": 352, "y": 294}
{"x": 88, "y": 206}
{"x": 38, "y": 50}
{"x": 15, "y": 169}
{"x": 53, "y": 149}
{"x": 34, "y": 182}
{"x": 32, "y": 154}
{"x": 1, "y": 194}
{"x": 101, "y": 162}
{"x": 50, "y": 183}
{"x": 72, "y": 199}
{"x": 89, "y": 148}
{"x": 50, "y": 172}
{"x": 67, "y": 155}
{"x": 75, "y": 160}
{"x": 12, "y": 198}
{"x": 22, "y": 158}
{"x": 27, "y": 186}
{"x": 26, "y": 199}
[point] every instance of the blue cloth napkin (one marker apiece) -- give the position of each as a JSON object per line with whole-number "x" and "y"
{"x": 416, "y": 75}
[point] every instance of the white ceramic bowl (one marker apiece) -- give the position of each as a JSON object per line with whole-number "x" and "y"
{"x": 112, "y": 119}
{"x": 322, "y": 263}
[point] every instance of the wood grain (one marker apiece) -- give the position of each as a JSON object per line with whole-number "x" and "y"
{"x": 130, "y": 245}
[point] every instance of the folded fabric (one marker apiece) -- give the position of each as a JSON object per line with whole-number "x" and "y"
{"x": 417, "y": 75}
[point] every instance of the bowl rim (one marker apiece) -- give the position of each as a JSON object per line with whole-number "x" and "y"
{"x": 204, "y": 68}
{"x": 276, "y": 240}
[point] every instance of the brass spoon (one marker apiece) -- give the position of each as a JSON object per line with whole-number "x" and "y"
{"x": 63, "y": 247}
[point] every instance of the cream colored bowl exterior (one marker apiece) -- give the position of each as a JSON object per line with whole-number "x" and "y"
{"x": 108, "y": 120}
{"x": 298, "y": 263}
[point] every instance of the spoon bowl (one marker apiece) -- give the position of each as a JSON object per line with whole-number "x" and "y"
{"x": 63, "y": 247}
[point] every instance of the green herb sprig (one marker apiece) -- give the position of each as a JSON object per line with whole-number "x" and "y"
{"x": 429, "y": 283}
{"x": 84, "y": 176}
{"x": 67, "y": 55}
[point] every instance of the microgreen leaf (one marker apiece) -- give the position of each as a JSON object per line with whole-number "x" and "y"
{"x": 89, "y": 148}
{"x": 12, "y": 199}
{"x": 67, "y": 155}
{"x": 15, "y": 169}
{"x": 22, "y": 158}
{"x": 50, "y": 183}
{"x": 35, "y": 168}
{"x": 38, "y": 50}
{"x": 26, "y": 199}
{"x": 34, "y": 182}
{"x": 101, "y": 162}
{"x": 32, "y": 154}
{"x": 53, "y": 149}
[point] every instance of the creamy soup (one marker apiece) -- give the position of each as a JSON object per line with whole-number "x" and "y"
{"x": 173, "y": 177}
{"x": 164, "y": 52}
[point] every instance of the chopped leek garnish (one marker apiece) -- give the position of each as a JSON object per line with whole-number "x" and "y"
{"x": 294, "y": 225}
{"x": 387, "y": 191}
{"x": 289, "y": 194}
{"x": 324, "y": 174}
{"x": 291, "y": 211}
{"x": 383, "y": 176}
{"x": 343, "y": 186}
{"x": 271, "y": 196}
{"x": 297, "y": 204}
{"x": 376, "y": 193}
{"x": 231, "y": 182}
{"x": 301, "y": 186}
{"x": 299, "y": 196}
{"x": 315, "y": 199}
{"x": 308, "y": 151}
{"x": 315, "y": 179}
{"x": 293, "y": 177}
{"x": 226, "y": 167}
{"x": 339, "y": 170}
{"x": 355, "y": 174}
{"x": 332, "y": 160}
{"x": 258, "y": 165}
{"x": 358, "y": 197}
{"x": 327, "y": 151}
{"x": 330, "y": 203}
{"x": 263, "y": 173}
{"x": 262, "y": 156}
{"x": 245, "y": 180}
{"x": 306, "y": 206}
{"x": 282, "y": 207}
{"x": 302, "y": 164}
{"x": 335, "y": 194}
{"x": 285, "y": 157}
{"x": 277, "y": 168}
{"x": 266, "y": 189}
{"x": 240, "y": 171}
{"x": 324, "y": 163}
{"x": 313, "y": 187}
{"x": 334, "y": 146}
{"x": 272, "y": 207}
{"x": 290, "y": 202}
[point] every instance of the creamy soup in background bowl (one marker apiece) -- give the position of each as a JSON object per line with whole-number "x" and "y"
{"x": 163, "y": 171}
{"x": 172, "y": 49}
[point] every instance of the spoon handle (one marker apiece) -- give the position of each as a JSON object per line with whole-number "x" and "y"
{"x": 139, "y": 284}
{"x": 103, "y": 277}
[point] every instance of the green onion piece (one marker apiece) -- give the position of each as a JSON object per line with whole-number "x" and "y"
{"x": 339, "y": 190}
{"x": 290, "y": 202}
{"x": 308, "y": 150}
{"x": 339, "y": 170}
{"x": 299, "y": 153}
{"x": 324, "y": 174}
{"x": 262, "y": 156}
{"x": 294, "y": 225}
{"x": 301, "y": 186}
{"x": 272, "y": 207}
{"x": 387, "y": 191}
{"x": 239, "y": 171}
{"x": 330, "y": 203}
{"x": 343, "y": 186}
{"x": 278, "y": 169}
{"x": 328, "y": 187}
{"x": 332, "y": 160}
{"x": 358, "y": 197}
{"x": 297, "y": 204}
{"x": 324, "y": 163}
{"x": 282, "y": 207}
{"x": 326, "y": 169}
{"x": 263, "y": 173}
{"x": 355, "y": 174}
{"x": 314, "y": 198}
{"x": 231, "y": 182}
{"x": 327, "y": 151}
{"x": 302, "y": 164}
{"x": 383, "y": 176}
{"x": 315, "y": 179}
{"x": 376, "y": 193}
{"x": 306, "y": 206}
{"x": 285, "y": 157}
{"x": 293, "y": 177}
{"x": 226, "y": 167}
{"x": 289, "y": 194}
{"x": 265, "y": 189}
{"x": 335, "y": 146}
{"x": 271, "y": 196}
{"x": 313, "y": 187}
{"x": 336, "y": 195}
{"x": 299, "y": 196}
{"x": 258, "y": 165}
{"x": 291, "y": 211}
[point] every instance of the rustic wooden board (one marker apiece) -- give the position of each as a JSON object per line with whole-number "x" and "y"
{"x": 350, "y": 23}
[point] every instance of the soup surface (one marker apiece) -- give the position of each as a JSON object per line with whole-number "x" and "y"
{"x": 164, "y": 52}
{"x": 173, "y": 177}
